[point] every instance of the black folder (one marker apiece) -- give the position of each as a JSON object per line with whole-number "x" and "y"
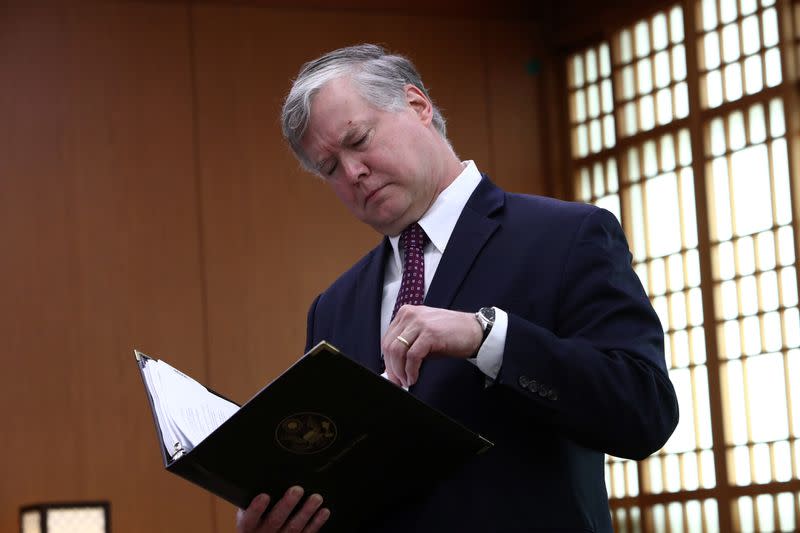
{"x": 335, "y": 428}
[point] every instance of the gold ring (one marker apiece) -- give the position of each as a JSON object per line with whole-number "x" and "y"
{"x": 401, "y": 339}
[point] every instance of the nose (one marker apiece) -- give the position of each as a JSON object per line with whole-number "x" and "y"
{"x": 354, "y": 169}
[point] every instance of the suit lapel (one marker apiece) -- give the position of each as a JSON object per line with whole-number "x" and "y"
{"x": 369, "y": 293}
{"x": 473, "y": 229}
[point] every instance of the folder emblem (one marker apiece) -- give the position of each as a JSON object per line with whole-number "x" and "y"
{"x": 306, "y": 433}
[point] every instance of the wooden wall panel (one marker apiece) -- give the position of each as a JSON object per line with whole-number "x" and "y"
{"x": 98, "y": 227}
{"x": 147, "y": 200}
{"x": 515, "y": 81}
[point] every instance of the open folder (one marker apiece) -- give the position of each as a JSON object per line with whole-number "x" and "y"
{"x": 327, "y": 424}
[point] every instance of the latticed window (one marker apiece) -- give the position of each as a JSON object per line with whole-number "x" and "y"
{"x": 683, "y": 125}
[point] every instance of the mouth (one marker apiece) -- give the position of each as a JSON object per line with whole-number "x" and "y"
{"x": 371, "y": 194}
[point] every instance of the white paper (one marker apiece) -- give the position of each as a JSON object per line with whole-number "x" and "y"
{"x": 187, "y": 412}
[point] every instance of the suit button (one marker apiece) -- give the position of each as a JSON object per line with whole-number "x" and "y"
{"x": 552, "y": 395}
{"x": 533, "y": 386}
{"x": 523, "y": 381}
{"x": 543, "y": 391}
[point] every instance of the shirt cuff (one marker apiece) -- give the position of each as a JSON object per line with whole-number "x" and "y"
{"x": 490, "y": 356}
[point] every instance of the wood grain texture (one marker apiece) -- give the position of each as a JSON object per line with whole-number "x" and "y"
{"x": 98, "y": 230}
{"x": 147, "y": 200}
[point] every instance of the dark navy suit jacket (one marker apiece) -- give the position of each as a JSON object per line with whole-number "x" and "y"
{"x": 583, "y": 370}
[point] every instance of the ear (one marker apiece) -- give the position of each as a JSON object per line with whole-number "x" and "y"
{"x": 419, "y": 103}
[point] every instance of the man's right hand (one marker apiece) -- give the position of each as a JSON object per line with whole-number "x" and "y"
{"x": 308, "y": 519}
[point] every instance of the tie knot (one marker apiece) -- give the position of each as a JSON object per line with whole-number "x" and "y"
{"x": 413, "y": 237}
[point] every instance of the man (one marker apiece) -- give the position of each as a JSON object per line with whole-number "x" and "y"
{"x": 534, "y": 331}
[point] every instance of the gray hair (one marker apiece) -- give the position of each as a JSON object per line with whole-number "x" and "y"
{"x": 379, "y": 77}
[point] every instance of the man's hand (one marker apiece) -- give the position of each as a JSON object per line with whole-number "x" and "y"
{"x": 308, "y": 519}
{"x": 428, "y": 331}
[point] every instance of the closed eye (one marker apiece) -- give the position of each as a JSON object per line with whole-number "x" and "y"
{"x": 332, "y": 169}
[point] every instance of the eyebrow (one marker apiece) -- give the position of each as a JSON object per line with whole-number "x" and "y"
{"x": 349, "y": 136}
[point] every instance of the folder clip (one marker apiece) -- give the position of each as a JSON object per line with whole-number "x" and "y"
{"x": 178, "y": 453}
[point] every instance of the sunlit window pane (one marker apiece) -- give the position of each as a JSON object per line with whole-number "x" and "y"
{"x": 577, "y": 71}
{"x": 735, "y": 405}
{"x": 642, "y": 33}
{"x": 591, "y": 66}
{"x": 736, "y": 130}
{"x": 765, "y": 243}
{"x": 767, "y": 398}
{"x": 679, "y": 62}
{"x": 711, "y": 50}
{"x": 753, "y": 79}
{"x": 724, "y": 266}
{"x": 751, "y": 329}
{"x": 664, "y": 106}
{"x": 788, "y": 287}
{"x": 645, "y": 76}
{"x": 608, "y": 100}
{"x": 709, "y": 14}
{"x": 625, "y": 46}
{"x": 646, "y": 113}
{"x": 718, "y": 142}
{"x": 660, "y": 39}
{"x": 748, "y": 6}
{"x": 751, "y": 190}
{"x": 785, "y": 246}
{"x": 681, "y": 100}
{"x": 593, "y": 98}
{"x": 772, "y": 62}
{"x": 721, "y": 208}
{"x": 745, "y": 256}
{"x": 713, "y": 83}
{"x": 605, "y": 61}
{"x": 676, "y": 24}
{"x": 733, "y": 81}
{"x": 780, "y": 171}
{"x": 730, "y": 43}
{"x": 770, "y": 23}
{"x": 662, "y": 205}
{"x": 777, "y": 125}
{"x": 662, "y": 69}
{"x": 751, "y": 35}
{"x": 727, "y": 11}
{"x": 757, "y": 124}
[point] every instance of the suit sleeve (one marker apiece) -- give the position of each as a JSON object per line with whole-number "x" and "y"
{"x": 600, "y": 375}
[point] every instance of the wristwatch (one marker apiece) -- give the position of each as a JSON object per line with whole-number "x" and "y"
{"x": 485, "y": 317}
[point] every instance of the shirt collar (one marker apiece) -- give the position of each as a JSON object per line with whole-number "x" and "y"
{"x": 441, "y": 218}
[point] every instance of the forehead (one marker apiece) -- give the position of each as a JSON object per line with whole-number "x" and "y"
{"x": 337, "y": 104}
{"x": 336, "y": 110}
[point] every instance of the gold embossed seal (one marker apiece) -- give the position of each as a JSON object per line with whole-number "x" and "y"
{"x": 305, "y": 433}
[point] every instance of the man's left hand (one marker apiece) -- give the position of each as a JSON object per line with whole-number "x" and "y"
{"x": 428, "y": 331}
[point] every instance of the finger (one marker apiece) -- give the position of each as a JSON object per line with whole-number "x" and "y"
{"x": 393, "y": 354}
{"x": 283, "y": 508}
{"x": 390, "y": 337}
{"x": 302, "y": 517}
{"x": 247, "y": 519}
{"x": 395, "y": 364}
{"x": 414, "y": 357}
{"x": 393, "y": 378}
{"x": 320, "y": 517}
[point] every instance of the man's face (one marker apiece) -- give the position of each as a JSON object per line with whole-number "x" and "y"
{"x": 381, "y": 164}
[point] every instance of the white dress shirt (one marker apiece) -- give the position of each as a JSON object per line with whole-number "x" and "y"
{"x": 438, "y": 224}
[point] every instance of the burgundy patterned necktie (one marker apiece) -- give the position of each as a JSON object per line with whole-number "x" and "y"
{"x": 412, "y": 286}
